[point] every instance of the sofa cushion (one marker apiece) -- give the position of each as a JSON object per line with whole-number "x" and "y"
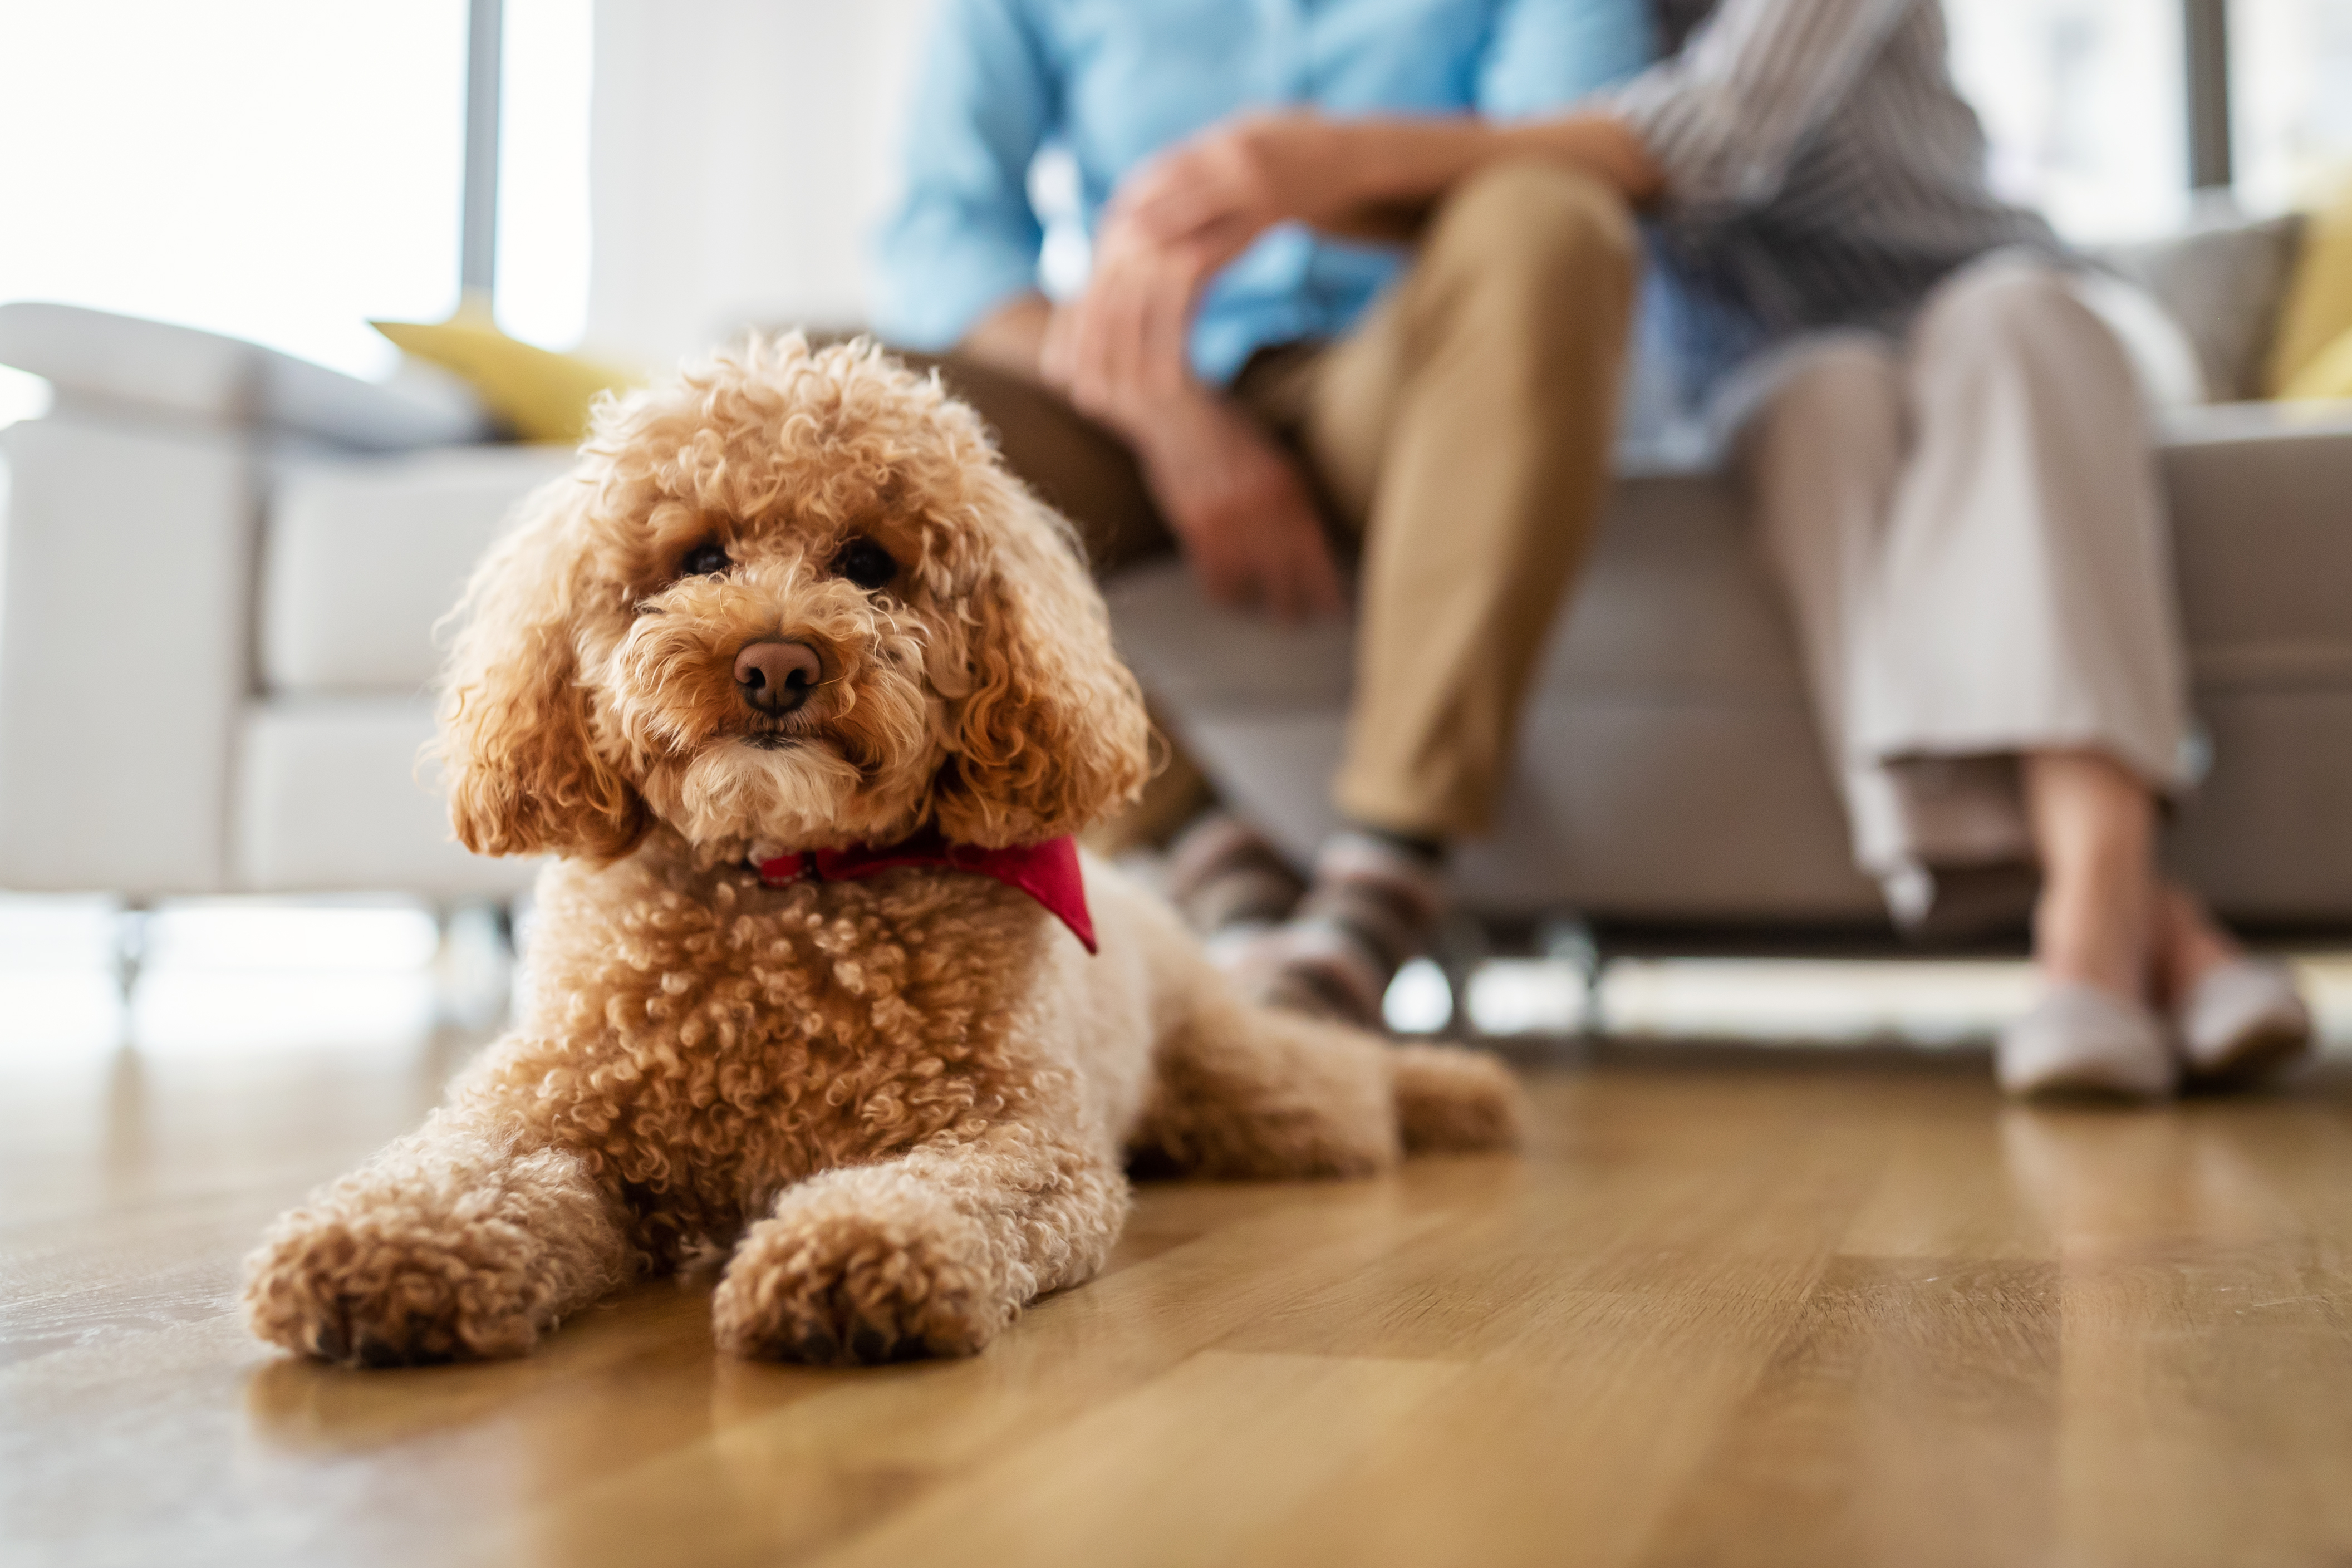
{"x": 538, "y": 394}
{"x": 1669, "y": 768}
{"x": 2327, "y": 378}
{"x": 361, "y": 559}
{"x": 124, "y": 361}
{"x": 334, "y": 795}
{"x": 1676, "y": 602}
{"x": 1667, "y": 761}
{"x": 2316, "y": 306}
{"x": 2223, "y": 281}
{"x": 2260, "y": 541}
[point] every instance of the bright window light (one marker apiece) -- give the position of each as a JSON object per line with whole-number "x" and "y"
{"x": 277, "y": 169}
{"x": 281, "y": 171}
{"x": 2085, "y": 102}
{"x": 1419, "y": 1001}
{"x": 21, "y": 397}
{"x": 2291, "y": 100}
{"x": 543, "y": 275}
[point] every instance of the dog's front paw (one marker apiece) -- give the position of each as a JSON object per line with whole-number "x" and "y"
{"x": 348, "y": 1289}
{"x": 830, "y": 1285}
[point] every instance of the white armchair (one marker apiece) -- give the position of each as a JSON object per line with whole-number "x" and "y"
{"x": 222, "y": 567}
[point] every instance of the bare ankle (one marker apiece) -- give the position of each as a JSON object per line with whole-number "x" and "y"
{"x": 2096, "y": 930}
{"x": 2190, "y": 944}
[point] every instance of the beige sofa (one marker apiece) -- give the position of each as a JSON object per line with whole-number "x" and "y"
{"x": 1669, "y": 773}
{"x": 223, "y": 569}
{"x": 1670, "y": 785}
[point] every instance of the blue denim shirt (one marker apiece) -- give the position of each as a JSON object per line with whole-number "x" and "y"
{"x": 1116, "y": 81}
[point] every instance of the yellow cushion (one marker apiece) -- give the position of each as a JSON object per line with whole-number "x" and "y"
{"x": 2318, "y": 309}
{"x": 2328, "y": 375}
{"x": 541, "y": 395}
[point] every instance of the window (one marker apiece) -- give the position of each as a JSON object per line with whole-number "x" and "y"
{"x": 2085, "y": 102}
{"x": 543, "y": 239}
{"x": 282, "y": 169}
{"x": 2291, "y": 100}
{"x": 279, "y": 170}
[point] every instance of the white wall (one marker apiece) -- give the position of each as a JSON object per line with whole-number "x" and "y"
{"x": 742, "y": 150}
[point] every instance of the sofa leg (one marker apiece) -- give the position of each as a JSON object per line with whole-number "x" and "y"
{"x": 1573, "y": 943}
{"x": 474, "y": 969}
{"x": 1461, "y": 946}
{"x": 131, "y": 933}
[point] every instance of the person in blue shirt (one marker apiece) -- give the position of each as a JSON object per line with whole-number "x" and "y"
{"x": 1435, "y": 393}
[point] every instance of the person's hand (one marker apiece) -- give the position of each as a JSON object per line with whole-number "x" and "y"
{"x": 1118, "y": 351}
{"x": 1207, "y": 200}
{"x": 1241, "y": 510}
{"x": 1234, "y": 499}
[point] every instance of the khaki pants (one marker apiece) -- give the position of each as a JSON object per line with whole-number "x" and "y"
{"x": 1971, "y": 532}
{"x": 1463, "y": 433}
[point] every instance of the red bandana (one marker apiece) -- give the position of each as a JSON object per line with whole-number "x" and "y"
{"x": 1048, "y": 873}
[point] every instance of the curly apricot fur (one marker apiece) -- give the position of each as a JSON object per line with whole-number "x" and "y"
{"x": 905, "y": 1104}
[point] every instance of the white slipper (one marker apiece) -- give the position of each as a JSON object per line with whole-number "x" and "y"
{"x": 2242, "y": 1021}
{"x": 2078, "y": 1040}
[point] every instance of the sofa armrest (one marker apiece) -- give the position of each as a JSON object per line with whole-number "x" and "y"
{"x": 102, "y": 361}
{"x": 124, "y": 654}
{"x": 2251, "y": 486}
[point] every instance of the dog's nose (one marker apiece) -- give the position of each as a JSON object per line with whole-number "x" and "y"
{"x": 776, "y": 677}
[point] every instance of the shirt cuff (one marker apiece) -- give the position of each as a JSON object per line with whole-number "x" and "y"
{"x": 936, "y": 306}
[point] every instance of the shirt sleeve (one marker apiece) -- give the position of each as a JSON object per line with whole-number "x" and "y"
{"x": 961, "y": 237}
{"x": 1545, "y": 54}
{"x": 1725, "y": 116}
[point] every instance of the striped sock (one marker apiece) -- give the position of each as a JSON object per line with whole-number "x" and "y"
{"x": 1373, "y": 904}
{"x": 1224, "y": 877}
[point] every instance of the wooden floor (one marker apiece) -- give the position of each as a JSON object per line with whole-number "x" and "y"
{"x": 1784, "y": 1308}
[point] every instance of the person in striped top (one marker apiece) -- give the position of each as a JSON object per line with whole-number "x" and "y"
{"x": 1947, "y": 454}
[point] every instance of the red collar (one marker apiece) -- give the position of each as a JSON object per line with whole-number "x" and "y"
{"x": 1048, "y": 873}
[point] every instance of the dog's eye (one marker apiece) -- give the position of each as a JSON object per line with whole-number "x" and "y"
{"x": 703, "y": 559}
{"x": 864, "y": 563}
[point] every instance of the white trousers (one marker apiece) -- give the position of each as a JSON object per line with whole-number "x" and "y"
{"x": 1968, "y": 525}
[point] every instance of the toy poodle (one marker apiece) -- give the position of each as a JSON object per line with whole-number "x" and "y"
{"x": 807, "y": 695}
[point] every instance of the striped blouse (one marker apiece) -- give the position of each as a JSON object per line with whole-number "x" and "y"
{"x": 1822, "y": 170}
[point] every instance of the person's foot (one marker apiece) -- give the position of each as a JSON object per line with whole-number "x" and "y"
{"x": 2242, "y": 1021}
{"x": 1371, "y": 905}
{"x": 2079, "y": 1039}
{"x": 1228, "y": 880}
{"x": 2235, "y": 1018}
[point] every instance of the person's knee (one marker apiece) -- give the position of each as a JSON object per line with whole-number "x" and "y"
{"x": 1541, "y": 227}
{"x": 2000, "y": 305}
{"x": 1844, "y": 377}
{"x": 1840, "y": 399}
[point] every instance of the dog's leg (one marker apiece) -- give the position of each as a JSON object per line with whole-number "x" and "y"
{"x": 452, "y": 1243}
{"x": 931, "y": 1253}
{"x": 1255, "y": 1093}
{"x": 1449, "y": 1100}
{"x": 1247, "y": 1093}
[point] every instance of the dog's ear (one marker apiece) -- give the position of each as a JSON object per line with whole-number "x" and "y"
{"x": 1050, "y": 732}
{"x": 521, "y": 762}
